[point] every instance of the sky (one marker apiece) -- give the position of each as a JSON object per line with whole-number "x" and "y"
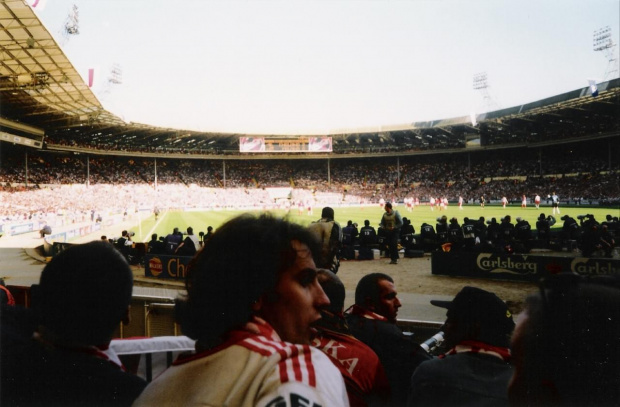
{"x": 323, "y": 66}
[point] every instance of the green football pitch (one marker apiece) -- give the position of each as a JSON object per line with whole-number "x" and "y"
{"x": 200, "y": 220}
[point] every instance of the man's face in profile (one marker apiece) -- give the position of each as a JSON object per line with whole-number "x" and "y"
{"x": 299, "y": 299}
{"x": 389, "y": 303}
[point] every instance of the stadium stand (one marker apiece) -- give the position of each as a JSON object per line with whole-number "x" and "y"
{"x": 583, "y": 171}
{"x": 570, "y": 140}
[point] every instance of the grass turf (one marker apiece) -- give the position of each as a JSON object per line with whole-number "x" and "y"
{"x": 199, "y": 220}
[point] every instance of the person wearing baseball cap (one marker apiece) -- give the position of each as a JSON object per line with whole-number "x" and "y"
{"x": 476, "y": 369}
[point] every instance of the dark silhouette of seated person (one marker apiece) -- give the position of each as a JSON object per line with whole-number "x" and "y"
{"x": 570, "y": 229}
{"x": 372, "y": 320}
{"x": 208, "y": 235}
{"x": 190, "y": 245}
{"x": 506, "y": 231}
{"x": 428, "y": 237}
{"x": 469, "y": 233}
{"x": 361, "y": 369}
{"x": 123, "y": 244}
{"x": 368, "y": 235}
{"x": 368, "y": 241}
{"x": 406, "y": 234}
{"x": 156, "y": 245}
{"x": 480, "y": 230}
{"x": 494, "y": 232}
{"x": 590, "y": 241}
{"x": 565, "y": 346}
{"x": 83, "y": 295}
{"x": 607, "y": 240}
{"x": 612, "y": 225}
{"x": 441, "y": 227}
{"x": 455, "y": 233}
{"x": 172, "y": 241}
{"x": 523, "y": 235}
{"x": 476, "y": 369}
{"x": 543, "y": 229}
{"x": 120, "y": 242}
{"x": 349, "y": 236}
{"x": 587, "y": 221}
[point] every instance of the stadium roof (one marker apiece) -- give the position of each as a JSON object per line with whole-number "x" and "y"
{"x": 41, "y": 93}
{"x": 38, "y": 83}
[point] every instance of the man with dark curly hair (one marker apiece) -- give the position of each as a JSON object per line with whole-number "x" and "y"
{"x": 252, "y": 315}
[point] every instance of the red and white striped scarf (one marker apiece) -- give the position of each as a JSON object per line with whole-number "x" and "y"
{"x": 479, "y": 347}
{"x": 357, "y": 310}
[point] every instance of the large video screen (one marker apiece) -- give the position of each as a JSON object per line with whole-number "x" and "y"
{"x": 252, "y": 145}
{"x": 285, "y": 145}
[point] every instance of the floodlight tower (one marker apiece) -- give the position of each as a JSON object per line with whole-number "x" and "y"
{"x": 114, "y": 78}
{"x": 481, "y": 84}
{"x": 602, "y": 40}
{"x": 71, "y": 25}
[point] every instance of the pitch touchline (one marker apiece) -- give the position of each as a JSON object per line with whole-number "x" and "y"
{"x": 148, "y": 235}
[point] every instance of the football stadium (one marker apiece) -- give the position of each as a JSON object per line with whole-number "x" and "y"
{"x": 499, "y": 199}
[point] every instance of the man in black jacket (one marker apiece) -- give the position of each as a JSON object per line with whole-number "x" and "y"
{"x": 349, "y": 236}
{"x": 406, "y": 234}
{"x": 368, "y": 234}
{"x": 523, "y": 232}
{"x": 372, "y": 320}
{"x": 570, "y": 231}
{"x": 543, "y": 228}
{"x": 156, "y": 246}
{"x": 428, "y": 237}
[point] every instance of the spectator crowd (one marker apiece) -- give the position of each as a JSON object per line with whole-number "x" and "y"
{"x": 50, "y": 182}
